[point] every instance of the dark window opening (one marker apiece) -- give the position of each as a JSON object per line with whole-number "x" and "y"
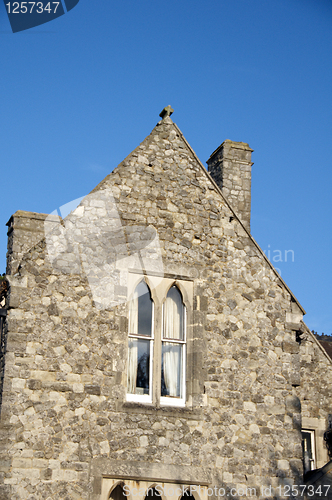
{"x": 187, "y": 496}
{"x": 118, "y": 493}
{"x": 153, "y": 493}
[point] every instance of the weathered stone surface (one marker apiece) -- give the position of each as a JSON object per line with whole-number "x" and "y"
{"x": 65, "y": 421}
{"x": 230, "y": 167}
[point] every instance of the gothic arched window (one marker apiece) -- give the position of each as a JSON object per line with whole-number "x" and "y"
{"x": 173, "y": 349}
{"x": 118, "y": 493}
{"x": 139, "y": 378}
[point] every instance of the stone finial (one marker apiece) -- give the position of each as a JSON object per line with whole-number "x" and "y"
{"x": 166, "y": 112}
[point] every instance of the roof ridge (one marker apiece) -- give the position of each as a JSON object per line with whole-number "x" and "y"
{"x": 308, "y": 331}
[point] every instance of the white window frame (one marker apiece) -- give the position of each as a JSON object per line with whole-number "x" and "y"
{"x": 158, "y": 292}
{"x": 144, "y": 398}
{"x": 313, "y": 447}
{"x": 169, "y": 400}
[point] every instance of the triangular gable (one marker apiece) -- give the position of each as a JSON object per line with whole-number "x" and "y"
{"x": 148, "y": 156}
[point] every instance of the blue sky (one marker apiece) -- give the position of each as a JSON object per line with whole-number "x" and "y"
{"x": 81, "y": 92}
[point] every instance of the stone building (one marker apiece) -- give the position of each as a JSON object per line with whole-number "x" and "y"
{"x": 150, "y": 348}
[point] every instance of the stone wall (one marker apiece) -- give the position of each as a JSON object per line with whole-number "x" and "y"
{"x": 315, "y": 389}
{"x": 65, "y": 421}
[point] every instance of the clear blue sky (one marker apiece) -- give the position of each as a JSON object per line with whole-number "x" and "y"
{"x": 81, "y": 92}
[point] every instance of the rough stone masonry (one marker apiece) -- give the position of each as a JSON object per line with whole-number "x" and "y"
{"x": 67, "y": 427}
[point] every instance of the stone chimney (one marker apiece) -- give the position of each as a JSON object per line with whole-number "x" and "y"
{"x": 25, "y": 229}
{"x": 230, "y": 168}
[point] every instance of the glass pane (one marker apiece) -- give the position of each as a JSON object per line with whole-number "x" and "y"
{"x": 138, "y": 366}
{"x": 144, "y": 310}
{"x": 173, "y": 315}
{"x": 306, "y": 443}
{"x": 308, "y": 454}
{"x": 171, "y": 369}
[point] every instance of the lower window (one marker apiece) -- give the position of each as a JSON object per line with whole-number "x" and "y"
{"x": 308, "y": 448}
{"x": 117, "y": 489}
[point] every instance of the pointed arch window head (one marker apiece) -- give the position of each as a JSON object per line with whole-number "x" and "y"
{"x": 141, "y": 311}
{"x": 140, "y": 344}
{"x": 118, "y": 493}
{"x": 173, "y": 349}
{"x": 173, "y": 315}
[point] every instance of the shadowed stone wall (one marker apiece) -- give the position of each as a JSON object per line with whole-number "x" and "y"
{"x": 315, "y": 389}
